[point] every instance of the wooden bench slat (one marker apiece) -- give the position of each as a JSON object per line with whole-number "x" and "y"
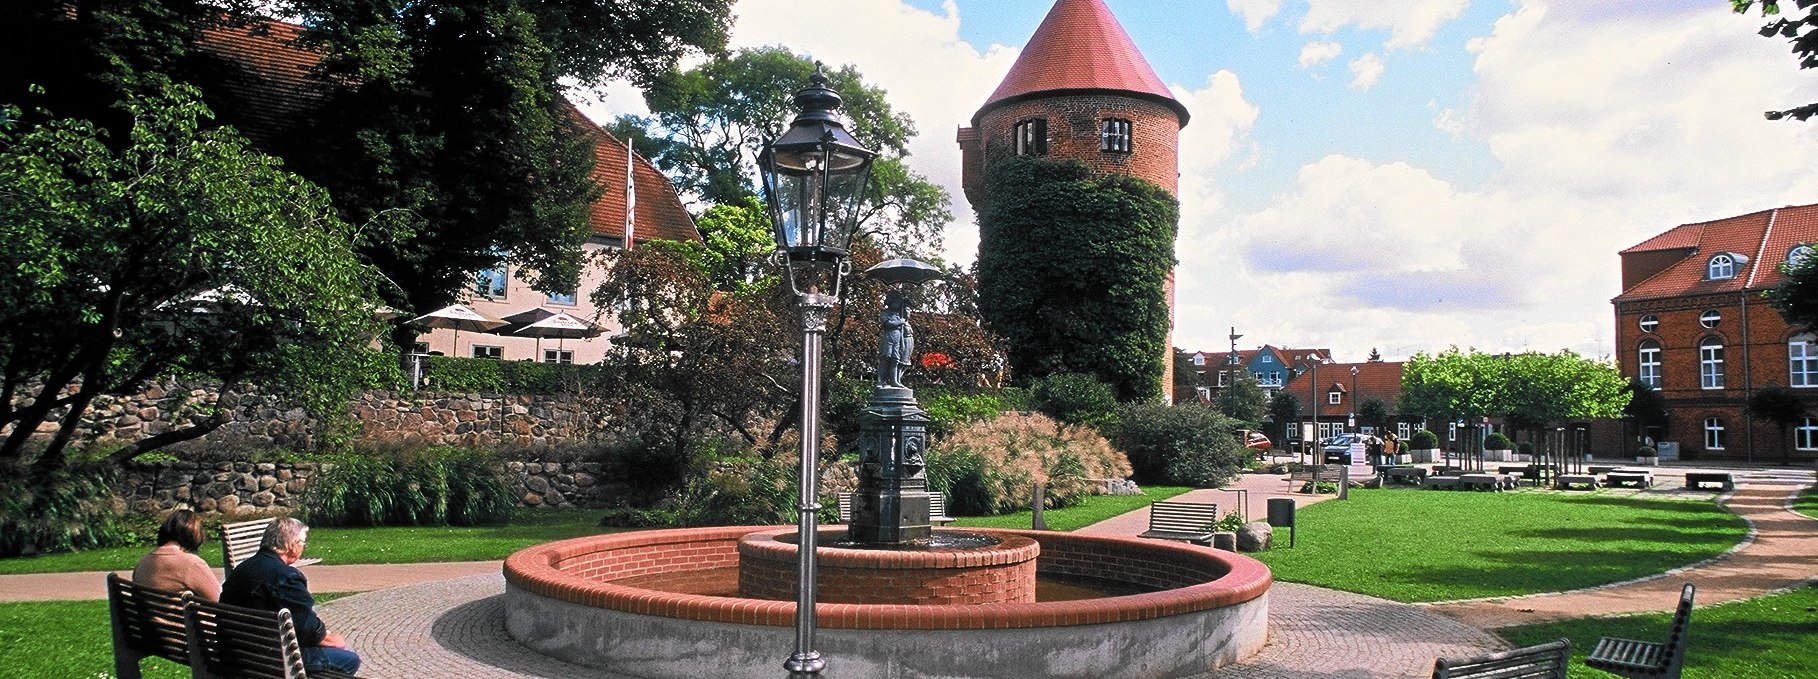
{"x": 1546, "y": 661}
{"x": 1183, "y": 521}
{"x": 146, "y": 622}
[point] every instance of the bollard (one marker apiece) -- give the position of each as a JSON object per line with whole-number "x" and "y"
{"x": 1037, "y": 522}
{"x": 1281, "y": 515}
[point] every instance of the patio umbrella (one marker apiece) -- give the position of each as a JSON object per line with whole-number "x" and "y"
{"x": 458, "y": 317}
{"x": 544, "y": 323}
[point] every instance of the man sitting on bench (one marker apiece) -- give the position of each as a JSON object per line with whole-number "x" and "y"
{"x": 269, "y": 582}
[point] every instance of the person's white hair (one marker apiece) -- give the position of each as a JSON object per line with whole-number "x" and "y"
{"x": 283, "y": 532}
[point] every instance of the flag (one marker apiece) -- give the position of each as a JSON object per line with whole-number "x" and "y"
{"x": 631, "y": 196}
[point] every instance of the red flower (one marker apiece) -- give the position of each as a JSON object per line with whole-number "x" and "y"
{"x": 935, "y": 359}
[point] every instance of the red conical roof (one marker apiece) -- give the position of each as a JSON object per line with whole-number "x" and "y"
{"x": 1080, "y": 47}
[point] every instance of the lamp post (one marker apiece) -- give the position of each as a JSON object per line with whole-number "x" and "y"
{"x": 814, "y": 176}
{"x": 1313, "y": 397}
{"x": 1351, "y": 420}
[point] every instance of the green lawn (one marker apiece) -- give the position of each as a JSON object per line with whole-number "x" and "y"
{"x": 1095, "y": 509}
{"x": 1766, "y": 638}
{"x": 1807, "y": 502}
{"x": 365, "y": 545}
{"x": 69, "y": 639}
{"x": 1412, "y": 545}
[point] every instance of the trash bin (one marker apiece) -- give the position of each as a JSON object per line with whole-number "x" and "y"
{"x": 1281, "y": 515}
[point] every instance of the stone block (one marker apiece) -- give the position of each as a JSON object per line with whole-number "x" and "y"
{"x": 1255, "y": 536}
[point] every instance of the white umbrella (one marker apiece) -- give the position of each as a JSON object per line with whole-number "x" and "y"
{"x": 458, "y": 317}
{"x": 541, "y": 323}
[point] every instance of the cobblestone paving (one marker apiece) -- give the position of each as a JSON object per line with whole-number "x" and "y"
{"x": 455, "y": 628}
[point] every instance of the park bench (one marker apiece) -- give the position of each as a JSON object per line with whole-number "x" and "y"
{"x": 240, "y": 540}
{"x": 937, "y": 508}
{"x": 1630, "y": 658}
{"x": 1184, "y": 521}
{"x": 1407, "y": 475}
{"x": 1491, "y": 482}
{"x": 147, "y": 622}
{"x": 246, "y": 643}
{"x": 1695, "y": 479}
{"x": 1546, "y": 661}
{"x": 1440, "y": 483}
{"x": 1566, "y": 481}
{"x": 1600, "y": 469}
{"x": 1314, "y": 474}
{"x": 1621, "y": 477}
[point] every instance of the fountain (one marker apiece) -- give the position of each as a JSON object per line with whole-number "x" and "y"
{"x": 893, "y": 596}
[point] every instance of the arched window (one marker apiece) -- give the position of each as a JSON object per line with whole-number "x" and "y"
{"x": 1649, "y": 323}
{"x": 1031, "y": 137}
{"x": 1720, "y": 267}
{"x": 1649, "y": 355}
{"x": 1801, "y": 361}
{"x": 1710, "y": 363}
{"x": 1798, "y": 254}
{"x": 1805, "y": 436}
{"x": 1114, "y": 135}
{"x": 1713, "y": 433}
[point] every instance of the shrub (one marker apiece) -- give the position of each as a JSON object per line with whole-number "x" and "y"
{"x": 1646, "y": 451}
{"x": 949, "y": 411}
{"x": 1188, "y": 444}
{"x": 1496, "y": 441}
{"x": 490, "y": 376}
{"x": 1425, "y": 440}
{"x": 1074, "y": 398}
{"x": 991, "y": 467}
{"x": 428, "y": 487}
{"x": 66, "y": 509}
{"x": 1525, "y": 448}
{"x": 1231, "y": 522}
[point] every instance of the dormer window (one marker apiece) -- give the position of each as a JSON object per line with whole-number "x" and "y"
{"x": 1721, "y": 267}
{"x": 1031, "y": 137}
{"x": 1199, "y": 359}
{"x": 1798, "y": 254}
{"x": 1114, "y": 135}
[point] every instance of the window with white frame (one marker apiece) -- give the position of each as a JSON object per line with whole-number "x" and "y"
{"x": 1330, "y": 429}
{"x": 1114, "y": 135}
{"x": 1805, "y": 436}
{"x": 558, "y": 356}
{"x": 563, "y": 300}
{"x": 1798, "y": 254}
{"x": 1451, "y": 431}
{"x": 1031, "y": 137}
{"x": 1199, "y": 359}
{"x": 1649, "y": 363}
{"x": 1801, "y": 361}
{"x": 1334, "y": 397}
{"x": 1720, "y": 267}
{"x": 1402, "y": 430}
{"x": 1223, "y": 377}
{"x": 1711, "y": 318}
{"x": 480, "y": 351}
{"x": 1710, "y": 363}
{"x": 1649, "y": 323}
{"x": 490, "y": 283}
{"x": 1713, "y": 433}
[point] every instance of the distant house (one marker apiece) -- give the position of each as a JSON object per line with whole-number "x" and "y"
{"x": 273, "y": 90}
{"x": 1269, "y": 366}
{"x": 1691, "y": 323}
{"x": 1331, "y": 393}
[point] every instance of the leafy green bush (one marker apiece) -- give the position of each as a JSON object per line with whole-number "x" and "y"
{"x": 992, "y": 467}
{"x": 1075, "y": 398}
{"x": 66, "y": 509}
{"x": 428, "y": 487}
{"x": 1525, "y": 448}
{"x": 1425, "y": 440}
{"x": 1186, "y": 444}
{"x": 1646, "y": 451}
{"x": 491, "y": 376}
{"x": 1496, "y": 441}
{"x": 948, "y": 410}
{"x": 1231, "y": 522}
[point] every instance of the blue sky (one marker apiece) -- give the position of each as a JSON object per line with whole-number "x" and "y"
{"x": 1404, "y": 175}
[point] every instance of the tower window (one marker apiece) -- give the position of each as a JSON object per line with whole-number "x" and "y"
{"x": 1031, "y": 137}
{"x": 1114, "y": 135}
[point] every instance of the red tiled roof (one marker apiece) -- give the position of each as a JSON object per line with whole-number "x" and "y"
{"x": 1763, "y": 239}
{"x": 276, "y": 88}
{"x": 1080, "y": 47}
{"x": 1375, "y": 379}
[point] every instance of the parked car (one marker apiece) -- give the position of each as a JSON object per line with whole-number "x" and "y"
{"x": 1257, "y": 441}
{"x": 1338, "y": 448}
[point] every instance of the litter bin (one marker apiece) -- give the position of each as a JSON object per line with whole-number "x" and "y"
{"x": 1281, "y": 515}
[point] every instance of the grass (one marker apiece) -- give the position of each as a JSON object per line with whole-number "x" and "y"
{"x": 364, "y": 545}
{"x": 1432, "y": 546}
{"x": 69, "y": 640}
{"x": 1765, "y": 638}
{"x": 1807, "y": 502}
{"x": 1096, "y": 508}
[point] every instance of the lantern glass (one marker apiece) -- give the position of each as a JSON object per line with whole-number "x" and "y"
{"x": 815, "y": 192}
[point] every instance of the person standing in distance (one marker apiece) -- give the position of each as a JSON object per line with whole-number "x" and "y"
{"x": 268, "y": 581}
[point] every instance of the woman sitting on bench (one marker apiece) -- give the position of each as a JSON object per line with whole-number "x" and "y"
{"x": 174, "y": 566}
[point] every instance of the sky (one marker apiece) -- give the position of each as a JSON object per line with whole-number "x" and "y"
{"x": 1397, "y": 175}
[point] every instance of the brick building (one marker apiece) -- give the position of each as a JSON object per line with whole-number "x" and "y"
{"x": 1081, "y": 90}
{"x": 1692, "y": 323}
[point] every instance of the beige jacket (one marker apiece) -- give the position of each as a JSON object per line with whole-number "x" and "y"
{"x": 170, "y": 568}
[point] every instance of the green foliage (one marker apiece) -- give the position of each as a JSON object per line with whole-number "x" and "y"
{"x": 173, "y": 250}
{"x": 1185, "y": 444}
{"x": 948, "y": 411}
{"x": 1072, "y": 271}
{"x": 1424, "y": 440}
{"x": 1074, "y": 398}
{"x": 1374, "y": 412}
{"x": 1781, "y": 406}
{"x": 1646, "y": 406}
{"x": 490, "y": 376}
{"x": 748, "y": 490}
{"x": 61, "y": 509}
{"x": 1802, "y": 32}
{"x": 1242, "y": 399}
{"x": 1796, "y": 297}
{"x": 1496, "y": 441}
{"x": 1524, "y": 448}
{"x": 992, "y": 467}
{"x": 1284, "y": 411}
{"x": 1529, "y": 390}
{"x": 1093, "y": 510}
{"x": 1232, "y": 522}
{"x": 428, "y": 487}
{"x": 736, "y": 242}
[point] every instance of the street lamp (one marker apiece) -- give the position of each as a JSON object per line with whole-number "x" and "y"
{"x": 1351, "y": 420}
{"x": 814, "y": 179}
{"x": 1313, "y": 397}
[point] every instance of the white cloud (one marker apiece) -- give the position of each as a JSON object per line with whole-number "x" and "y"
{"x": 1365, "y": 71}
{"x": 1215, "y": 144}
{"x": 1319, "y": 52}
{"x": 1254, "y": 12}
{"x": 1411, "y": 23}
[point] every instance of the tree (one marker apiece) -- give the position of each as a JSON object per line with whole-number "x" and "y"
{"x": 1796, "y": 297}
{"x": 1782, "y": 407}
{"x": 710, "y": 123}
{"x": 184, "y": 252}
{"x": 1451, "y": 385}
{"x": 1530, "y": 391}
{"x": 1647, "y": 408}
{"x": 1375, "y": 413}
{"x": 1073, "y": 270}
{"x": 1802, "y": 32}
{"x": 1242, "y": 400}
{"x": 1284, "y": 411}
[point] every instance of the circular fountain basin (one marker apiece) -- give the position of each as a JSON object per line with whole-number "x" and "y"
{"x": 571, "y": 600}
{"x": 977, "y": 569}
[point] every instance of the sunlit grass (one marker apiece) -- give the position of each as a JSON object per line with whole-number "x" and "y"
{"x": 1096, "y": 508}
{"x": 1767, "y": 638}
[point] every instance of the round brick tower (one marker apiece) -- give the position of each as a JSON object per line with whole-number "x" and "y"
{"x": 1081, "y": 90}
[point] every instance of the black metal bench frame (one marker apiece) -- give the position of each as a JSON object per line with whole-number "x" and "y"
{"x": 1546, "y": 661}
{"x": 1183, "y": 521}
{"x": 1631, "y": 658}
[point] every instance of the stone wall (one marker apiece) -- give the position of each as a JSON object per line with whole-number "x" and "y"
{"x": 240, "y": 488}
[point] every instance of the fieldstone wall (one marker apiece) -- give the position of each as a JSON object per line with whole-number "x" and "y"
{"x": 236, "y": 488}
